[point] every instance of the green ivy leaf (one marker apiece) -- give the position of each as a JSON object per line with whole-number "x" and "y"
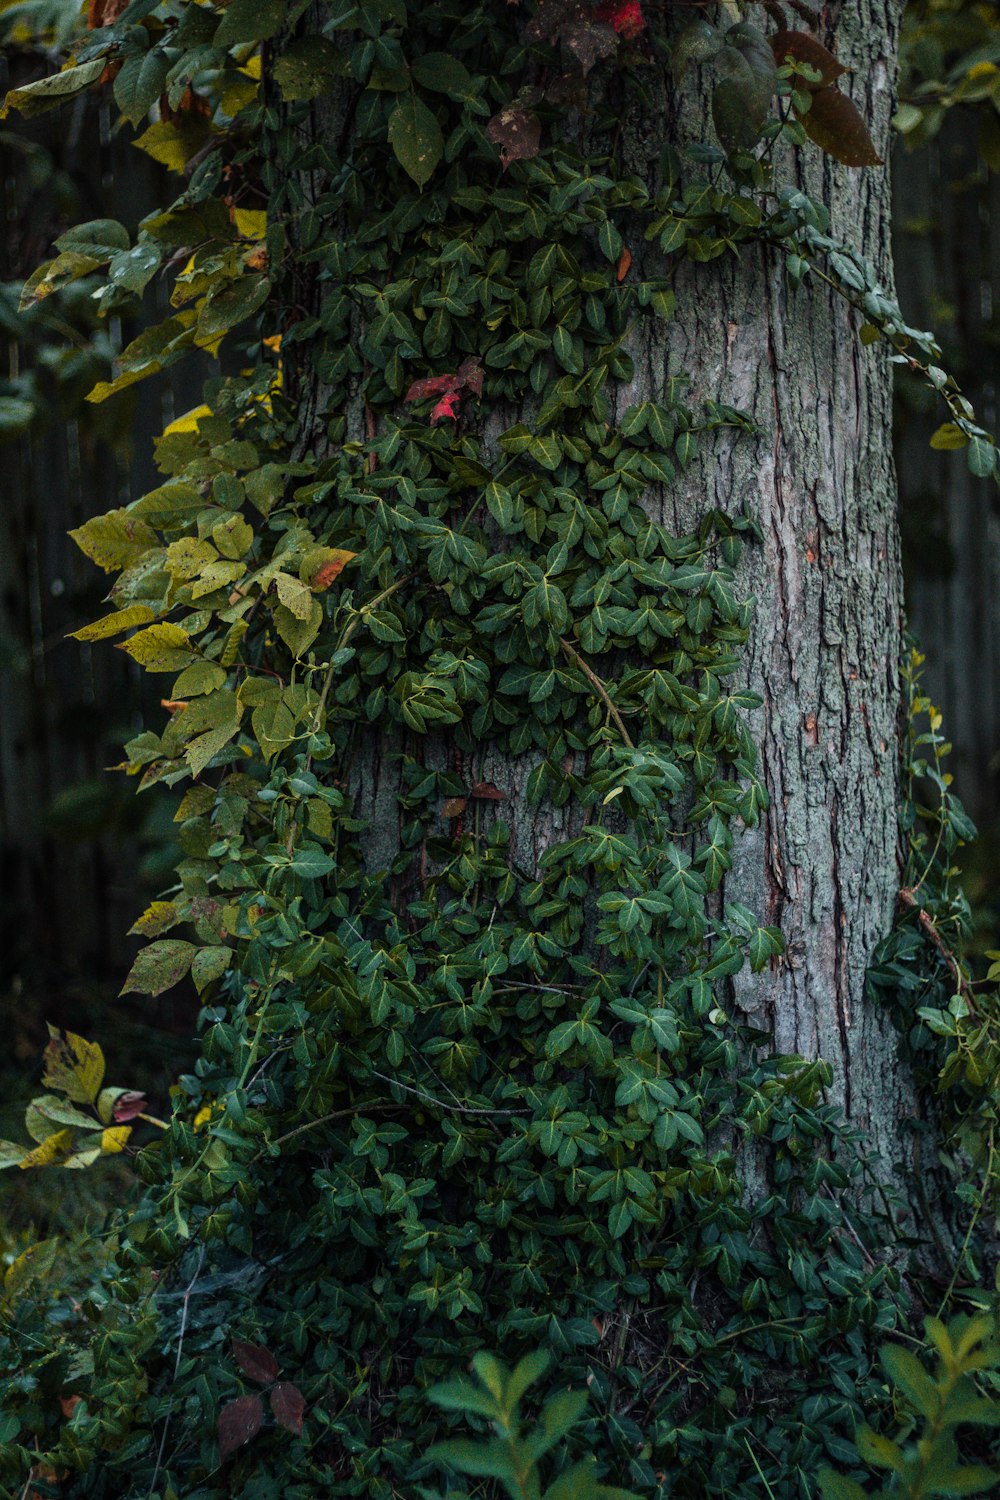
{"x": 442, "y": 74}
{"x": 416, "y": 139}
{"x": 140, "y": 82}
{"x": 981, "y": 456}
{"x": 253, "y": 21}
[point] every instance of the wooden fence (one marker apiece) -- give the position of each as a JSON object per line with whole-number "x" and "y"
{"x": 947, "y": 235}
{"x": 76, "y": 848}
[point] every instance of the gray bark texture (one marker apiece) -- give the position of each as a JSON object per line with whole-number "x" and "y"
{"x": 826, "y": 635}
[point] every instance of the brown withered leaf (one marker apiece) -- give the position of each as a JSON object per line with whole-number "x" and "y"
{"x": 803, "y": 48}
{"x": 624, "y": 263}
{"x": 239, "y": 1422}
{"x": 567, "y": 90}
{"x": 590, "y": 42}
{"x": 834, "y": 122}
{"x": 288, "y": 1405}
{"x": 487, "y": 792}
{"x": 103, "y": 13}
{"x": 517, "y": 132}
{"x": 550, "y": 17}
{"x": 454, "y": 807}
{"x": 256, "y": 1361}
{"x": 470, "y": 375}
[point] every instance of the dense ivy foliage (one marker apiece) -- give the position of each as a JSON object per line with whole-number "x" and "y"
{"x": 466, "y": 767}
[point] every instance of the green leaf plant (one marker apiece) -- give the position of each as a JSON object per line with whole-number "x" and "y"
{"x": 514, "y": 1455}
{"x": 925, "y": 1459}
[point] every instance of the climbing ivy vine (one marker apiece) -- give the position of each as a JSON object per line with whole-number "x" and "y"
{"x": 401, "y": 585}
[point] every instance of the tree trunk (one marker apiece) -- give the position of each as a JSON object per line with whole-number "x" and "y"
{"x": 826, "y": 635}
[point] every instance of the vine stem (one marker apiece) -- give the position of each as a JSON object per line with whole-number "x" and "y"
{"x": 971, "y": 1229}
{"x": 177, "y": 1364}
{"x": 602, "y": 692}
{"x": 462, "y": 1109}
{"x": 348, "y": 632}
{"x": 908, "y": 897}
{"x": 337, "y": 1114}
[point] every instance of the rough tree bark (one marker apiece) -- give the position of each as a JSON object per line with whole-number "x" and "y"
{"x": 826, "y": 634}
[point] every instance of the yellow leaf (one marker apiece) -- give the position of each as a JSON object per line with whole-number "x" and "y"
{"x": 161, "y": 648}
{"x": 114, "y": 1138}
{"x": 237, "y": 93}
{"x": 173, "y": 145}
{"x": 294, "y": 595}
{"x": 31, "y": 1265}
{"x": 949, "y": 435}
{"x": 114, "y": 624}
{"x": 105, "y": 388}
{"x": 251, "y": 222}
{"x": 188, "y": 556}
{"x": 114, "y": 540}
{"x": 73, "y": 1066}
{"x": 157, "y": 918}
{"x": 188, "y": 421}
{"x": 321, "y": 565}
{"x": 50, "y": 1150}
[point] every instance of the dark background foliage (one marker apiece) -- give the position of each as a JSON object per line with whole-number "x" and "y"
{"x": 69, "y": 896}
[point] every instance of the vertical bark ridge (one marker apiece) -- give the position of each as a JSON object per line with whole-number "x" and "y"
{"x": 826, "y": 635}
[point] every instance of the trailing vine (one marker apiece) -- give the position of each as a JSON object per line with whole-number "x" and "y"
{"x": 452, "y": 1088}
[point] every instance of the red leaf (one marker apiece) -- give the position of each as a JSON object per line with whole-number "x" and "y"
{"x": 835, "y": 124}
{"x": 331, "y": 569}
{"x": 624, "y": 15}
{"x": 517, "y": 132}
{"x": 624, "y": 262}
{"x": 446, "y": 407}
{"x": 487, "y": 792}
{"x": 127, "y": 1106}
{"x": 257, "y": 1362}
{"x": 288, "y": 1405}
{"x": 433, "y": 385}
{"x": 327, "y": 573}
{"x": 803, "y": 48}
{"x": 238, "y": 1423}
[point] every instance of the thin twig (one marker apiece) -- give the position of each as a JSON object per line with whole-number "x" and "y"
{"x": 828, "y": 1190}
{"x": 177, "y": 1364}
{"x": 602, "y": 691}
{"x": 463, "y": 1109}
{"x": 908, "y": 898}
{"x": 337, "y": 1114}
